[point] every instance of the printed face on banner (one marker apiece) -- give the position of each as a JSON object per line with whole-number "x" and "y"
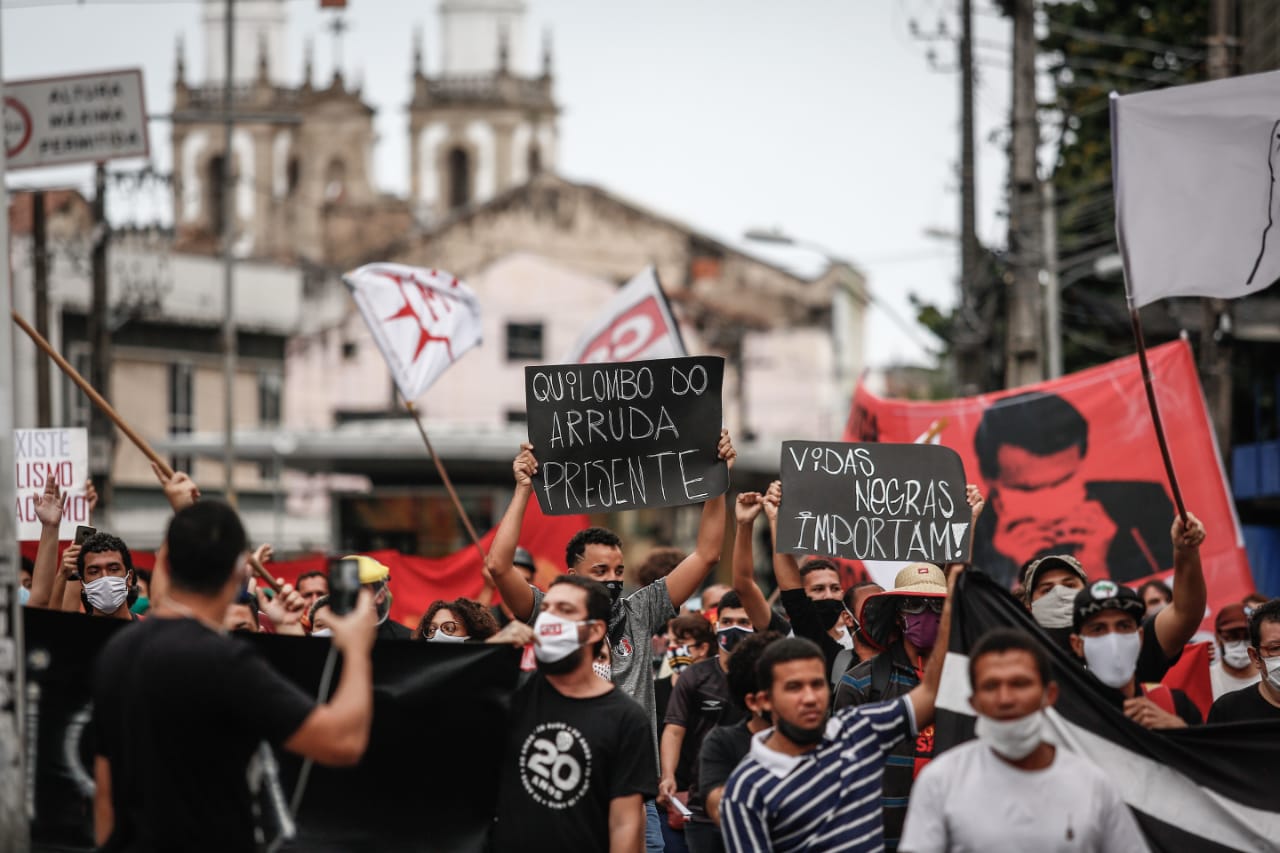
{"x": 626, "y": 435}
{"x": 1072, "y": 467}
{"x": 61, "y": 455}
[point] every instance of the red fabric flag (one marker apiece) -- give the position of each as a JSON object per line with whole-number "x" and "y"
{"x": 1191, "y": 675}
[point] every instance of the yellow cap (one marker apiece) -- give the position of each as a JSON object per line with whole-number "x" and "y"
{"x": 371, "y": 571}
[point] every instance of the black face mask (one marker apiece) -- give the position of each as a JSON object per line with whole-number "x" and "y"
{"x": 828, "y": 610}
{"x": 615, "y": 590}
{"x": 799, "y": 736}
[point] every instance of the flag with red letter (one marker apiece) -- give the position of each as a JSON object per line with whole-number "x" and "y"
{"x": 422, "y": 320}
{"x": 636, "y": 324}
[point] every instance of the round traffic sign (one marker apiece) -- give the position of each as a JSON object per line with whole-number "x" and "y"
{"x": 17, "y": 127}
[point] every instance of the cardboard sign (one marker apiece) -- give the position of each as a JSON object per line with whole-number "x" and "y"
{"x": 82, "y": 118}
{"x": 621, "y": 436}
{"x": 44, "y": 454}
{"x": 874, "y": 502}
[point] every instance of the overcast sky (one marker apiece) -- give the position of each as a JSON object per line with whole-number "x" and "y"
{"x": 821, "y": 118}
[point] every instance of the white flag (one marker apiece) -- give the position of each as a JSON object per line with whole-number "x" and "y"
{"x": 636, "y": 324}
{"x": 422, "y": 320}
{"x": 1197, "y": 208}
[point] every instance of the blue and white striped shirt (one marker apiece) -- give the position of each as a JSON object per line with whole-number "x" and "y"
{"x": 825, "y": 800}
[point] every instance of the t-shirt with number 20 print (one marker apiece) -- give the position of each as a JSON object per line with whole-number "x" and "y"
{"x": 566, "y": 759}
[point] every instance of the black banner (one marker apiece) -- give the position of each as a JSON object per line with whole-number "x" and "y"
{"x": 627, "y": 435}
{"x": 874, "y": 502}
{"x": 428, "y": 781}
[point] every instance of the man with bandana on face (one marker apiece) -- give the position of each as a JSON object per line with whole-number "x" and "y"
{"x": 596, "y": 553}
{"x": 1050, "y": 799}
{"x": 1108, "y": 636}
{"x": 576, "y": 771}
{"x": 376, "y": 578}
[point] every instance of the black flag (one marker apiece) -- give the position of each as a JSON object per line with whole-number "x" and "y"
{"x": 1204, "y": 788}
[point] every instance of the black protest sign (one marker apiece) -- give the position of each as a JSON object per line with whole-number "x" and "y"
{"x": 634, "y": 434}
{"x": 874, "y": 502}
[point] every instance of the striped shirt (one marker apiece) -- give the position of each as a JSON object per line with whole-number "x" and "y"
{"x": 827, "y": 799}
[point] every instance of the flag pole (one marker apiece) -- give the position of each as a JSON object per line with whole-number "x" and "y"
{"x": 92, "y": 393}
{"x": 444, "y": 477}
{"x": 1155, "y": 410}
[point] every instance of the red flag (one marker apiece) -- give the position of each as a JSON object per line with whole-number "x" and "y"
{"x": 1191, "y": 675}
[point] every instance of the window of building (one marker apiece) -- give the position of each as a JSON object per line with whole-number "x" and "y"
{"x": 335, "y": 182}
{"x": 293, "y": 173}
{"x": 217, "y": 204}
{"x": 181, "y": 408}
{"x": 535, "y": 160}
{"x": 459, "y": 178}
{"x": 524, "y": 342}
{"x": 77, "y": 403}
{"x": 517, "y": 416}
{"x": 270, "y": 384}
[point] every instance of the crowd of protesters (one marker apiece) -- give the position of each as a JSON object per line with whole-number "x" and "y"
{"x": 678, "y": 716}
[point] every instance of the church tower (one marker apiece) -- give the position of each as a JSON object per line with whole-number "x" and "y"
{"x": 485, "y": 122}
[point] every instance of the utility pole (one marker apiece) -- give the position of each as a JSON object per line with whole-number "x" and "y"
{"x": 969, "y": 346}
{"x": 228, "y": 259}
{"x": 1024, "y": 339}
{"x": 1215, "y": 347}
{"x": 40, "y": 270}
{"x": 1052, "y": 290}
{"x": 101, "y": 430}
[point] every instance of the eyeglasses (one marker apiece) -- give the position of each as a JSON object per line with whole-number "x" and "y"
{"x": 450, "y": 628}
{"x": 918, "y": 605}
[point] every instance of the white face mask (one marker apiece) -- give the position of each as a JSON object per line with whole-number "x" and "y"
{"x": 1156, "y": 608}
{"x": 1055, "y": 608}
{"x": 1014, "y": 739}
{"x": 845, "y": 639}
{"x": 1273, "y": 672}
{"x": 557, "y": 637}
{"x": 442, "y": 637}
{"x": 322, "y": 632}
{"x": 1236, "y": 654}
{"x": 1113, "y": 657}
{"x": 106, "y": 594}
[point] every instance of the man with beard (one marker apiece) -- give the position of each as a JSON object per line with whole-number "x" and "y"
{"x": 577, "y": 769}
{"x": 376, "y": 578}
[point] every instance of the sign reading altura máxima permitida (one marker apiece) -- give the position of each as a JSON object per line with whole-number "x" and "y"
{"x": 874, "y": 502}
{"x": 626, "y": 435}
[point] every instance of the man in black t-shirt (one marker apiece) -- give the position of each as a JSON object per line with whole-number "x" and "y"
{"x": 1260, "y": 701}
{"x": 578, "y": 765}
{"x": 180, "y": 708}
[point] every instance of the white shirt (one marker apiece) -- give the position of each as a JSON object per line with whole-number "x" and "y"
{"x": 1225, "y": 682}
{"x": 969, "y": 800}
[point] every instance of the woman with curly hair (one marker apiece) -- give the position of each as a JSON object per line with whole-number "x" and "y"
{"x": 455, "y": 621}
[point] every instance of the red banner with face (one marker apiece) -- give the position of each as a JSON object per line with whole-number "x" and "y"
{"x": 1072, "y": 466}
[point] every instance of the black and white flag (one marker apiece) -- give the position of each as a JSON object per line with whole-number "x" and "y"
{"x": 1204, "y": 788}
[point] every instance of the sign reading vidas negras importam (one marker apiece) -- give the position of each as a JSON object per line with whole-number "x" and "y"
{"x": 874, "y": 502}
{"x": 626, "y": 435}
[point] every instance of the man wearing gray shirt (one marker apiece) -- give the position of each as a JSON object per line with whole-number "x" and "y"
{"x": 597, "y": 554}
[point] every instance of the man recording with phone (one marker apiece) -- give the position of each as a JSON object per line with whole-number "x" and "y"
{"x": 180, "y": 708}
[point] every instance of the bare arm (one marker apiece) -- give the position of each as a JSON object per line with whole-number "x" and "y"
{"x": 516, "y": 594}
{"x": 1176, "y": 624}
{"x": 685, "y": 578}
{"x": 71, "y": 589}
{"x": 337, "y": 732}
{"x": 669, "y": 751}
{"x": 712, "y": 804}
{"x": 626, "y": 824}
{"x": 50, "y": 505}
{"x": 785, "y": 567}
{"x": 746, "y": 510}
{"x": 104, "y": 817}
{"x": 925, "y": 694}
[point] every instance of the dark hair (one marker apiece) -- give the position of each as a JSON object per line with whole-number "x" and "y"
{"x": 599, "y": 604}
{"x": 693, "y": 625}
{"x": 785, "y": 651}
{"x": 591, "y": 536}
{"x": 741, "y": 670}
{"x": 1158, "y": 585}
{"x": 852, "y": 592}
{"x": 658, "y": 564}
{"x": 818, "y": 564}
{"x": 730, "y": 601}
{"x": 1035, "y": 421}
{"x": 250, "y": 601}
{"x": 308, "y": 575}
{"x": 1269, "y": 612}
{"x": 322, "y": 601}
{"x": 1009, "y": 640}
{"x": 205, "y": 541}
{"x": 28, "y": 566}
{"x": 475, "y": 617}
{"x": 101, "y": 543}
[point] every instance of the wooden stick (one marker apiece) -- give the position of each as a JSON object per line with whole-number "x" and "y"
{"x": 262, "y": 573}
{"x": 1155, "y": 413}
{"x": 97, "y": 399}
{"x": 448, "y": 484}
{"x": 935, "y": 429}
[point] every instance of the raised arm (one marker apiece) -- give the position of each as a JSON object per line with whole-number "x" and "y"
{"x": 516, "y": 594}
{"x": 685, "y": 578}
{"x": 924, "y": 695}
{"x": 785, "y": 568}
{"x": 50, "y": 505}
{"x": 1176, "y": 624}
{"x": 746, "y": 510}
{"x": 179, "y": 489}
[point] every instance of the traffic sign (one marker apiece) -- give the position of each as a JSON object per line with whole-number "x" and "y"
{"x": 81, "y": 118}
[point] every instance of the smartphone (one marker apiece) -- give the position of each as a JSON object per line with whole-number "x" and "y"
{"x": 344, "y": 585}
{"x": 83, "y": 532}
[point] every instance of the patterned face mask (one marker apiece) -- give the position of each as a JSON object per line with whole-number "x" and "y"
{"x": 679, "y": 658}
